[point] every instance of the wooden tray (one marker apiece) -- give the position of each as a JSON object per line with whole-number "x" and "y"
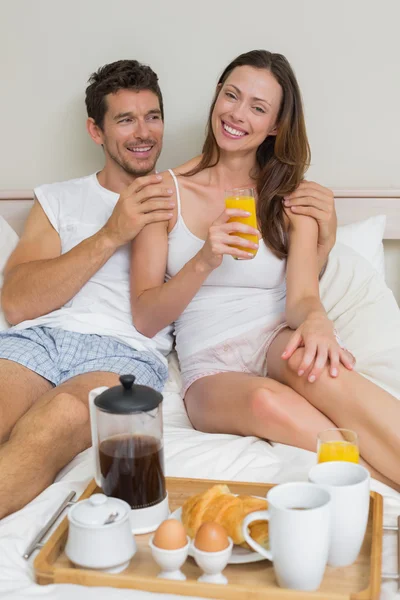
{"x": 360, "y": 581}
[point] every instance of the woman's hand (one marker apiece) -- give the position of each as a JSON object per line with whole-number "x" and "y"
{"x": 317, "y": 336}
{"x": 221, "y": 238}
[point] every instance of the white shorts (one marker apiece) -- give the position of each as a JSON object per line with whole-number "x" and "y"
{"x": 246, "y": 353}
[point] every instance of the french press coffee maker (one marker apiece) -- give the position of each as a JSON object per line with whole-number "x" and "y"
{"x": 127, "y": 438}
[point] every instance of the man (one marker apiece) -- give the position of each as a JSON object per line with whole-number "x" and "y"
{"x": 66, "y": 286}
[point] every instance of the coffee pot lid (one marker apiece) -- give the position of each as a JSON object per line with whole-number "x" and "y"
{"x": 128, "y": 397}
{"x": 94, "y": 511}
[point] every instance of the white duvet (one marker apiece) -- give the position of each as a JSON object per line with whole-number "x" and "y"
{"x": 368, "y": 321}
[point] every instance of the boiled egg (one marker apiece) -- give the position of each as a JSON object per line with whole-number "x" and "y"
{"x": 211, "y": 537}
{"x": 170, "y": 535}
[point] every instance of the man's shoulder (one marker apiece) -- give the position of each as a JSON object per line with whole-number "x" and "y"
{"x": 57, "y": 188}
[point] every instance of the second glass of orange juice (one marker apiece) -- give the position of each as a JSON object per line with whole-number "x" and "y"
{"x": 243, "y": 199}
{"x": 338, "y": 444}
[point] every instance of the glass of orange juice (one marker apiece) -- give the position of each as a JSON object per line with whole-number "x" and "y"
{"x": 243, "y": 199}
{"x": 337, "y": 444}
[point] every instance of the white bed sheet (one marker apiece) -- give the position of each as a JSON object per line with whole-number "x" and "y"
{"x": 188, "y": 453}
{"x": 352, "y": 296}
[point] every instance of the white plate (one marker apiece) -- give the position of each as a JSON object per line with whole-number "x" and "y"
{"x": 239, "y": 555}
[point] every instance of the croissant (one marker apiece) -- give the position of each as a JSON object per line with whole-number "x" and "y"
{"x": 219, "y": 505}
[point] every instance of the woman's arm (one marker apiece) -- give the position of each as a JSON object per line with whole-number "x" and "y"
{"x": 156, "y": 304}
{"x": 304, "y": 309}
{"x": 302, "y": 271}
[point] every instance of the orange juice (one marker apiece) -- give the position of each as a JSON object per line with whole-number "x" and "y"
{"x": 338, "y": 450}
{"x": 248, "y": 204}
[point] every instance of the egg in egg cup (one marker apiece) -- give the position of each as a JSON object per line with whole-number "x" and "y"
{"x": 213, "y": 563}
{"x": 170, "y": 561}
{"x": 169, "y": 547}
{"x": 212, "y": 549}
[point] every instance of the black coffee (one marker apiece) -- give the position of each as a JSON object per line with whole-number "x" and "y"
{"x": 132, "y": 468}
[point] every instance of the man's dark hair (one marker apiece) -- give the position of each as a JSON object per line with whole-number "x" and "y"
{"x": 119, "y": 75}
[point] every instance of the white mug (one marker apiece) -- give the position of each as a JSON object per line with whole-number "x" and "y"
{"x": 299, "y": 516}
{"x": 349, "y": 485}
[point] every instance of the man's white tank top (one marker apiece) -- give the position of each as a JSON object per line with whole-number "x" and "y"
{"x": 77, "y": 209}
{"x": 238, "y": 296}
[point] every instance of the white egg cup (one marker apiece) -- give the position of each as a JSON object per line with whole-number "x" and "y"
{"x": 170, "y": 561}
{"x": 213, "y": 563}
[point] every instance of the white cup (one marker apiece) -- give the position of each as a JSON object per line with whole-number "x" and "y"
{"x": 299, "y": 539}
{"x": 348, "y": 484}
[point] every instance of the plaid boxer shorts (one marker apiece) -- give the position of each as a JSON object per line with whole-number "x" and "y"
{"x": 57, "y": 355}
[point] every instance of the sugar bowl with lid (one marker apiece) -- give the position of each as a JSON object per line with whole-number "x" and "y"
{"x": 100, "y": 535}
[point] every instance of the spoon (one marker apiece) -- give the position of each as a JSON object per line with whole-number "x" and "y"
{"x": 111, "y": 518}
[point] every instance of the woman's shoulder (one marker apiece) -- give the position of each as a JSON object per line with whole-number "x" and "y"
{"x": 186, "y": 183}
{"x": 187, "y": 166}
{"x": 166, "y": 177}
{"x": 180, "y": 171}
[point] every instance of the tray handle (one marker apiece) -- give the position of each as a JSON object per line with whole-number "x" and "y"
{"x": 395, "y": 575}
{"x": 37, "y": 539}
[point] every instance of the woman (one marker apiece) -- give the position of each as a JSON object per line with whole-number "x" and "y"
{"x": 244, "y": 370}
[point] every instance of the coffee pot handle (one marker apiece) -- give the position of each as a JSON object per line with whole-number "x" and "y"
{"x": 93, "y": 426}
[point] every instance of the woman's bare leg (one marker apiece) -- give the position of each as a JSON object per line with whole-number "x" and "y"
{"x": 244, "y": 404}
{"x": 376, "y": 475}
{"x": 350, "y": 401}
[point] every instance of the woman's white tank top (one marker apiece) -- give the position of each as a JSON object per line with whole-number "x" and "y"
{"x": 236, "y": 297}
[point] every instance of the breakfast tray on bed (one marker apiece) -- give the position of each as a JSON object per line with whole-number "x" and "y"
{"x": 360, "y": 581}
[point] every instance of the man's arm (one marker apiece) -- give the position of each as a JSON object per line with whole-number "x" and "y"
{"x": 39, "y": 279}
{"x": 314, "y": 200}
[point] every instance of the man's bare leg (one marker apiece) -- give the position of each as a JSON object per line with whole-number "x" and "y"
{"x": 46, "y": 438}
{"x": 350, "y": 401}
{"x": 19, "y": 389}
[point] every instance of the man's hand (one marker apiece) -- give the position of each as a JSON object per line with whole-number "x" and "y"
{"x": 144, "y": 201}
{"x": 316, "y": 201}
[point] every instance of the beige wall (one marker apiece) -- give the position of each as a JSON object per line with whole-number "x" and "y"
{"x": 346, "y": 54}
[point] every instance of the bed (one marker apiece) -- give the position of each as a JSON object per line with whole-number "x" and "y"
{"x": 351, "y": 298}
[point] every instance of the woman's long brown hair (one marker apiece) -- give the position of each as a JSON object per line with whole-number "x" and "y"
{"x": 282, "y": 160}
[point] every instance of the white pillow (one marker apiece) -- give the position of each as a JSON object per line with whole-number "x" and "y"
{"x": 8, "y": 241}
{"x": 366, "y": 238}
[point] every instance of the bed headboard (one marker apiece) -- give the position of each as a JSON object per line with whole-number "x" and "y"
{"x": 15, "y": 206}
{"x": 351, "y": 205}
{"x": 356, "y": 205}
